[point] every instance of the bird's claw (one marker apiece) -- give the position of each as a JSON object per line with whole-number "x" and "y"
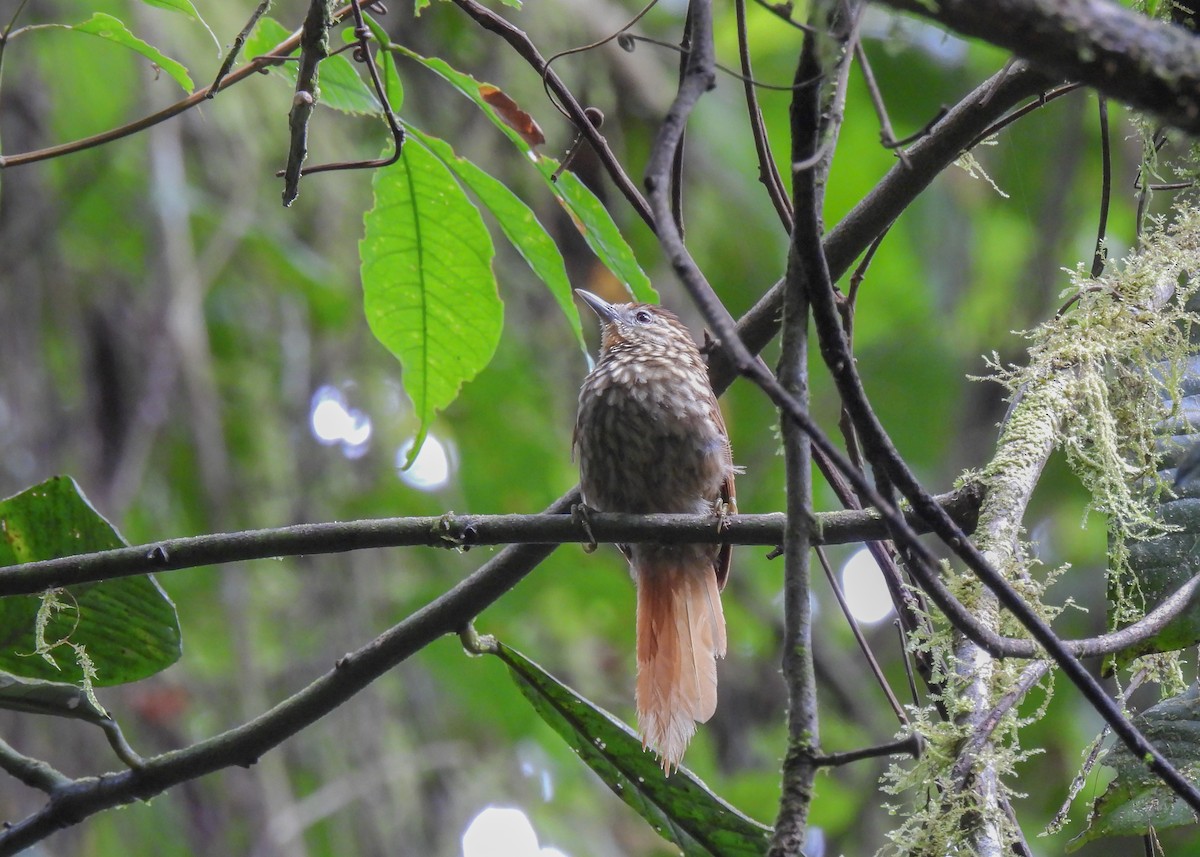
{"x": 723, "y": 511}
{"x": 581, "y": 515}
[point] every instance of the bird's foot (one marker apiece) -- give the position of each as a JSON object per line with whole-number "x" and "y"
{"x": 581, "y": 515}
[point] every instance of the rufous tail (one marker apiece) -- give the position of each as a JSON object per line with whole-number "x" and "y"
{"x": 680, "y": 634}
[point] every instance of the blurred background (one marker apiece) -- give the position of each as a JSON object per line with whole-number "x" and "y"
{"x": 196, "y": 357}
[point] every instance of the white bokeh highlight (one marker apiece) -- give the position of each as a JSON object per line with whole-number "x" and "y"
{"x": 503, "y": 832}
{"x": 865, "y": 590}
{"x": 431, "y": 469}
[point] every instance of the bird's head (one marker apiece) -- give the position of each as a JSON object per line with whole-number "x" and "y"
{"x": 636, "y": 326}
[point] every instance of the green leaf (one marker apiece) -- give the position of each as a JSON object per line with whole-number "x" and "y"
{"x": 188, "y": 10}
{"x": 341, "y": 87}
{"x": 1137, "y": 799}
{"x": 429, "y": 289}
{"x": 107, "y": 27}
{"x": 586, "y": 210}
{"x": 597, "y": 227}
{"x": 128, "y": 626}
{"x": 680, "y": 808}
{"x": 519, "y": 224}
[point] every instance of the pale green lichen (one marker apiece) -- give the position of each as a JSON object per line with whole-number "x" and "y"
{"x": 1095, "y": 385}
{"x": 969, "y": 164}
{"x": 51, "y": 605}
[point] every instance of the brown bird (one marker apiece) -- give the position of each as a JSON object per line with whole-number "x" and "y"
{"x": 650, "y": 438}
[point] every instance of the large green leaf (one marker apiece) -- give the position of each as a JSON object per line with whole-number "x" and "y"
{"x": 107, "y": 27}
{"x": 127, "y": 627}
{"x": 519, "y": 224}
{"x": 680, "y": 807}
{"x": 586, "y": 210}
{"x": 1137, "y": 799}
{"x": 429, "y": 289}
{"x": 341, "y": 86}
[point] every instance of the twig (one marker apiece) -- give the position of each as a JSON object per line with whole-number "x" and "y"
{"x": 589, "y": 47}
{"x": 1089, "y": 762}
{"x": 1105, "y": 188}
{"x": 1041, "y": 101}
{"x": 887, "y": 136}
{"x": 910, "y": 746}
{"x": 628, "y": 40}
{"x": 525, "y": 48}
{"x": 362, "y": 54}
{"x": 238, "y": 43}
{"x": 768, "y": 173}
{"x": 982, "y": 733}
{"x": 32, "y": 772}
{"x": 314, "y": 47}
{"x": 783, "y": 11}
{"x": 908, "y": 671}
{"x": 859, "y": 638}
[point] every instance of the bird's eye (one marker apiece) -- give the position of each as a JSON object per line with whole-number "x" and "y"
{"x": 642, "y": 317}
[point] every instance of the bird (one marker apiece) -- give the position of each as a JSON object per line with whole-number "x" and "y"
{"x": 650, "y": 438}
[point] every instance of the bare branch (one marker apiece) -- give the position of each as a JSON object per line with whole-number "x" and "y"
{"x": 32, "y": 772}
{"x": 450, "y": 531}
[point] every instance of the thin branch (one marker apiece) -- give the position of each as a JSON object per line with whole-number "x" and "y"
{"x": 1089, "y": 762}
{"x": 314, "y": 47}
{"x": 910, "y": 746}
{"x": 525, "y": 48}
{"x": 236, "y": 48}
{"x": 860, "y": 638}
{"x": 1149, "y": 64}
{"x": 362, "y": 54}
{"x": 887, "y": 136}
{"x": 982, "y": 733}
{"x": 447, "y": 531}
{"x": 804, "y": 736}
{"x": 768, "y": 173}
{"x": 589, "y": 47}
{"x": 76, "y": 800}
{"x": 1105, "y": 189}
{"x": 1021, "y": 112}
{"x": 628, "y": 40}
{"x": 260, "y": 63}
{"x": 32, "y": 772}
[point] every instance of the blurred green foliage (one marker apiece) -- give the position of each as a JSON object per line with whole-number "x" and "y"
{"x": 166, "y": 329}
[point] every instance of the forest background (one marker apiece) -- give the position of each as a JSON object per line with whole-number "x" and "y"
{"x": 197, "y": 358}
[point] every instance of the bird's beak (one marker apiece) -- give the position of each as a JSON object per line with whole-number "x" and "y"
{"x": 601, "y": 307}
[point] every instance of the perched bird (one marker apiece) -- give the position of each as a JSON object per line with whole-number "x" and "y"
{"x": 650, "y": 438}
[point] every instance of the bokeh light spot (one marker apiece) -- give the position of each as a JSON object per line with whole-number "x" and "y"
{"x": 431, "y": 469}
{"x": 866, "y": 592}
